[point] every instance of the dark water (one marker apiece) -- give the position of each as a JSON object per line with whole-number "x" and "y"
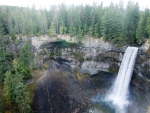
{"x": 103, "y": 81}
{"x": 99, "y": 104}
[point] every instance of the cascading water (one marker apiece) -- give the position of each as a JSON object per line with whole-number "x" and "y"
{"x": 119, "y": 92}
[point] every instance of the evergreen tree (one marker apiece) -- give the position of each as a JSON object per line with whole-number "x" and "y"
{"x": 141, "y": 32}
{"x": 70, "y": 20}
{"x": 112, "y": 24}
{"x": 130, "y": 22}
{"x": 22, "y": 98}
{"x": 62, "y": 19}
{"x": 42, "y": 21}
{"x": 15, "y": 90}
{"x": 91, "y": 31}
{"x": 30, "y": 27}
{"x": 5, "y": 57}
{"x": 26, "y": 55}
{"x": 148, "y": 25}
{"x": 9, "y": 85}
{"x": 52, "y": 30}
{"x": 11, "y": 78}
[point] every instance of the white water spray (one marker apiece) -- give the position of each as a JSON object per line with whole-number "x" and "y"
{"x": 119, "y": 92}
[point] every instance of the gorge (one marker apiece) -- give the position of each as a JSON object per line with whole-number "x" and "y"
{"x": 92, "y": 68}
{"x": 76, "y": 77}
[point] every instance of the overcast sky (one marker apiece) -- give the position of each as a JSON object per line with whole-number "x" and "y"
{"x": 47, "y": 3}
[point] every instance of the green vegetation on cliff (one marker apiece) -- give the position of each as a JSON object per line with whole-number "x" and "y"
{"x": 15, "y": 70}
{"x": 15, "y": 91}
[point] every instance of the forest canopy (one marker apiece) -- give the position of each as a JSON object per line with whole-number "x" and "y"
{"x": 113, "y": 23}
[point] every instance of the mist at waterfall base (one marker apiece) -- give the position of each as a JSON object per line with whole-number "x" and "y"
{"x": 116, "y": 99}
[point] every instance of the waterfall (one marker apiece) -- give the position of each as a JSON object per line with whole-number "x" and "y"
{"x": 119, "y": 92}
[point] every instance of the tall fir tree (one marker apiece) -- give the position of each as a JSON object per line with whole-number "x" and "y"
{"x": 15, "y": 90}
{"x": 112, "y": 24}
{"x": 141, "y": 31}
{"x": 5, "y": 57}
{"x": 130, "y": 23}
{"x": 148, "y": 25}
{"x": 26, "y": 55}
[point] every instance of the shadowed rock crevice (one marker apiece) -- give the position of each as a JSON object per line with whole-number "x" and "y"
{"x": 59, "y": 91}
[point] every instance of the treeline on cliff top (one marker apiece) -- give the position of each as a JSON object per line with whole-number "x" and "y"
{"x": 114, "y": 23}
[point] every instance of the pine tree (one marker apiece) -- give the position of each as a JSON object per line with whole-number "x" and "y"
{"x": 96, "y": 31}
{"x": 52, "y": 30}
{"x": 26, "y": 55}
{"x": 5, "y": 57}
{"x": 112, "y": 24}
{"x": 15, "y": 90}
{"x": 141, "y": 31}
{"x": 130, "y": 22}
{"x": 62, "y": 19}
{"x": 22, "y": 98}
{"x": 9, "y": 85}
{"x": 90, "y": 31}
{"x": 148, "y": 25}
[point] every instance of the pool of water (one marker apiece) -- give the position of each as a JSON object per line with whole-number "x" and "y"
{"x": 100, "y": 105}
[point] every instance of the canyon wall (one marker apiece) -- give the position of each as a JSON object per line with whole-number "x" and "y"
{"x": 91, "y": 53}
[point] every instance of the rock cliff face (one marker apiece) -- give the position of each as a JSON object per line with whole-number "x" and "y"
{"x": 89, "y": 58}
{"x": 66, "y": 86}
{"x": 90, "y": 54}
{"x": 90, "y": 42}
{"x": 38, "y": 41}
{"x": 92, "y": 67}
{"x": 145, "y": 47}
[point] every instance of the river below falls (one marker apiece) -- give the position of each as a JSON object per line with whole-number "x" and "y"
{"x": 138, "y": 100}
